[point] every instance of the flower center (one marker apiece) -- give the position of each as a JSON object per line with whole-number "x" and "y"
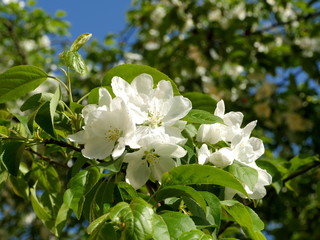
{"x": 151, "y": 157}
{"x": 154, "y": 119}
{"x": 113, "y": 134}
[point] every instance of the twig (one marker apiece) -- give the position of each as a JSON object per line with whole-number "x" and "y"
{"x": 62, "y": 144}
{"x": 280, "y": 24}
{"x": 302, "y": 171}
{"x": 46, "y": 158}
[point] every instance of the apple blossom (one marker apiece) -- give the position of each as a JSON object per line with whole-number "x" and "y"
{"x": 154, "y": 110}
{"x": 108, "y": 128}
{"x": 155, "y": 157}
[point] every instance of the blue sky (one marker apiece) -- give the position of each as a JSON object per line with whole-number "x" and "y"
{"x": 98, "y": 17}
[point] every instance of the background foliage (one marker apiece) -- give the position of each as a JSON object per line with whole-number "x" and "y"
{"x": 261, "y": 57}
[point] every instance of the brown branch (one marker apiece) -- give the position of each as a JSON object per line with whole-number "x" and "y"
{"x": 48, "y": 160}
{"x": 62, "y": 144}
{"x": 300, "y": 172}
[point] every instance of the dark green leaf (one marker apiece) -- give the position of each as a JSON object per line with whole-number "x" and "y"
{"x": 202, "y": 117}
{"x": 179, "y": 191}
{"x": 18, "y": 81}
{"x": 20, "y": 187}
{"x": 11, "y": 154}
{"x": 36, "y": 100}
{"x": 201, "y": 174}
{"x": 214, "y": 210}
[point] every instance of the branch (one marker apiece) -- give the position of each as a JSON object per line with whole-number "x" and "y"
{"x": 302, "y": 171}
{"x": 48, "y": 160}
{"x": 62, "y": 144}
{"x": 280, "y": 24}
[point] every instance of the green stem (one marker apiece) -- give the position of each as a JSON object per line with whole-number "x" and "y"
{"x": 62, "y": 83}
{"x": 82, "y": 98}
{"x": 69, "y": 85}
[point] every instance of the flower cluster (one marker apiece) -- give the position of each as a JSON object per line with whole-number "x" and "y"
{"x": 144, "y": 118}
{"x": 147, "y": 121}
{"x": 237, "y": 147}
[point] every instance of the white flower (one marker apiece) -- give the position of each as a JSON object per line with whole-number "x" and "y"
{"x": 155, "y": 110}
{"x": 154, "y": 158}
{"x": 220, "y": 158}
{"x": 258, "y": 191}
{"x": 108, "y": 128}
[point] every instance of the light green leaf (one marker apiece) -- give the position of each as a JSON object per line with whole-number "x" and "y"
{"x": 18, "y": 81}
{"x": 80, "y": 41}
{"x": 195, "y": 235}
{"x": 97, "y": 223}
{"x": 74, "y": 60}
{"x": 61, "y": 219}
{"x": 202, "y": 117}
{"x": 246, "y": 175}
{"x": 129, "y": 71}
{"x": 11, "y": 154}
{"x": 201, "y": 101}
{"x": 245, "y": 217}
{"x": 201, "y": 174}
{"x": 160, "y": 229}
{"x": 179, "y": 191}
{"x": 42, "y": 212}
{"x": 177, "y": 223}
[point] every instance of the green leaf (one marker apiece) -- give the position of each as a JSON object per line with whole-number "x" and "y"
{"x": 177, "y": 223}
{"x": 20, "y": 187}
{"x": 126, "y": 191}
{"x": 47, "y": 177}
{"x": 160, "y": 229}
{"x": 11, "y": 154}
{"x": 18, "y": 81}
{"x": 97, "y": 223}
{"x": 134, "y": 219}
{"x": 196, "y": 235}
{"x": 179, "y": 191}
{"x": 245, "y": 217}
{"x": 201, "y": 174}
{"x": 201, "y": 101}
{"x": 202, "y": 117}
{"x": 42, "y": 212}
{"x": 36, "y": 100}
{"x": 79, "y": 186}
{"x": 80, "y": 41}
{"x": 129, "y": 71}
{"x": 45, "y": 114}
{"x": 245, "y": 174}
{"x": 104, "y": 231}
{"x": 61, "y": 219}
{"x": 214, "y": 210}
{"x": 74, "y": 60}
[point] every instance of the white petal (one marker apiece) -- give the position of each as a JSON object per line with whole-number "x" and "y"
{"x": 219, "y": 109}
{"x": 179, "y": 108}
{"x": 233, "y": 118}
{"x": 143, "y": 83}
{"x": 163, "y": 90}
{"x": 164, "y": 165}
{"x": 170, "y": 150}
{"x": 138, "y": 173}
{"x": 121, "y": 88}
{"x": 248, "y": 129}
{"x": 203, "y": 154}
{"x": 104, "y": 97}
{"x": 210, "y": 133}
{"x": 222, "y": 158}
{"x": 97, "y": 148}
{"x": 79, "y": 137}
